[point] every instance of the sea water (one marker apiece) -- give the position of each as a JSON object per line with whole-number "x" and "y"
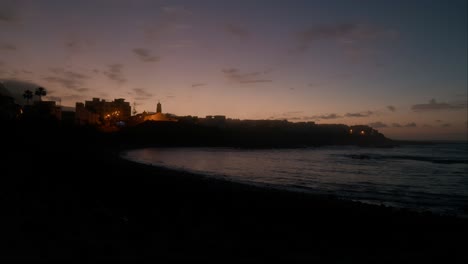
{"x": 418, "y": 177}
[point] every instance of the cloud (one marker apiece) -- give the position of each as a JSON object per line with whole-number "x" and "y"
{"x": 115, "y": 73}
{"x": 68, "y": 79}
{"x": 8, "y": 14}
{"x": 142, "y": 93}
{"x": 235, "y": 75}
{"x": 68, "y": 83}
{"x": 326, "y": 32}
{"x": 73, "y": 97}
{"x": 198, "y": 84}
{"x": 141, "y": 98}
{"x": 171, "y": 18}
{"x": 326, "y": 116}
{"x": 181, "y": 44}
{"x": 257, "y": 81}
{"x": 290, "y": 115}
{"x": 293, "y": 112}
{"x": 408, "y": 125}
{"x": 53, "y": 98}
{"x": 316, "y": 84}
{"x": 68, "y": 73}
{"x": 412, "y": 124}
{"x": 360, "y": 114}
{"x": 145, "y": 55}
{"x": 73, "y": 45}
{"x": 176, "y": 11}
{"x": 76, "y": 44}
{"x": 8, "y": 47}
{"x": 16, "y": 88}
{"x": 433, "y": 105}
{"x": 377, "y": 124}
{"x": 103, "y": 94}
{"x": 237, "y": 31}
{"x": 391, "y": 108}
{"x": 329, "y": 116}
{"x": 6, "y": 17}
{"x": 345, "y": 33}
{"x": 18, "y": 74}
{"x": 446, "y": 125}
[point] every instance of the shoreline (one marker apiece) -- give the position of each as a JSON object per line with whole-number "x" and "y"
{"x": 347, "y": 219}
{"x": 437, "y": 211}
{"x": 102, "y": 207}
{"x": 264, "y": 187}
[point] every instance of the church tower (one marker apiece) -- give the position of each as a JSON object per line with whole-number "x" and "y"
{"x": 158, "y": 108}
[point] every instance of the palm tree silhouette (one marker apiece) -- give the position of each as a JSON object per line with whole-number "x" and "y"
{"x": 28, "y": 95}
{"x": 40, "y": 92}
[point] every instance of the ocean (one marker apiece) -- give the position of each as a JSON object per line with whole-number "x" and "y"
{"x": 417, "y": 177}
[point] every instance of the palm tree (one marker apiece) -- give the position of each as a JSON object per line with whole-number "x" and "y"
{"x": 28, "y": 95}
{"x": 40, "y": 92}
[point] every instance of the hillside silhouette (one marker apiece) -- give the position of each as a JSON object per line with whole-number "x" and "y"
{"x": 261, "y": 133}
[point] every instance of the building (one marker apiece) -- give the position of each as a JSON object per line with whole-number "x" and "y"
{"x": 84, "y": 116}
{"x": 362, "y": 130}
{"x": 214, "y": 120}
{"x": 48, "y": 109}
{"x": 99, "y": 111}
{"x": 42, "y": 110}
{"x": 68, "y": 117}
{"x": 158, "y": 108}
{"x": 157, "y": 117}
{"x": 9, "y": 110}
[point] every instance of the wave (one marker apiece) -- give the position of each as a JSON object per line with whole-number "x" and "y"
{"x": 365, "y": 175}
{"x": 406, "y": 157}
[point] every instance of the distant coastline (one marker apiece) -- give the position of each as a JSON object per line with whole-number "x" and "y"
{"x": 428, "y": 142}
{"x": 251, "y": 133}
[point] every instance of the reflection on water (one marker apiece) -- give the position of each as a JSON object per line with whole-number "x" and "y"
{"x": 431, "y": 177}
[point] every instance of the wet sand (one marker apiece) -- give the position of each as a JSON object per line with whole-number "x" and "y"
{"x": 84, "y": 203}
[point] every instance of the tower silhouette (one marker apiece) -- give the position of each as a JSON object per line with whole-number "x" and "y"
{"x": 159, "y": 108}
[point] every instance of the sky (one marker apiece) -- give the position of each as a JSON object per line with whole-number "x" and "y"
{"x": 398, "y": 66}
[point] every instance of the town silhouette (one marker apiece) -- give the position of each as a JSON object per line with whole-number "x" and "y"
{"x": 68, "y": 195}
{"x": 164, "y": 129}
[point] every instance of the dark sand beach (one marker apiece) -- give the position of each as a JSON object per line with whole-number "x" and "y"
{"x": 70, "y": 199}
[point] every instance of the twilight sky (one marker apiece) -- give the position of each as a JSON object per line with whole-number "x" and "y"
{"x": 398, "y": 66}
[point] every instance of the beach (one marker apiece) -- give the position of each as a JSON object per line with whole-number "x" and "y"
{"x": 77, "y": 200}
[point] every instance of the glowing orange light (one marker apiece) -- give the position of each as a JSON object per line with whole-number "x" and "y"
{"x": 363, "y": 132}
{"x": 350, "y": 131}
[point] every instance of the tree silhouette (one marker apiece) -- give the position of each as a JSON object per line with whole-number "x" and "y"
{"x": 28, "y": 95}
{"x": 40, "y": 92}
